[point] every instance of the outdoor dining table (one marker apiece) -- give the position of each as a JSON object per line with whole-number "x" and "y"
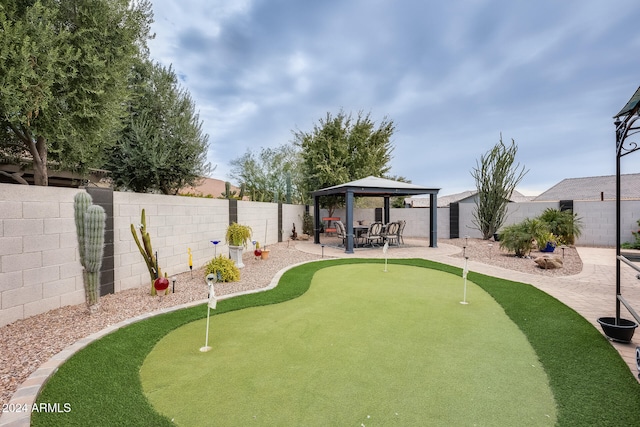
{"x": 358, "y": 231}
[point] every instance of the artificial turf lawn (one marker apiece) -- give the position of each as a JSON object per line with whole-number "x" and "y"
{"x": 360, "y": 347}
{"x": 591, "y": 384}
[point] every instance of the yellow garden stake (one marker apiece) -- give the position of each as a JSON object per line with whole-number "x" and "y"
{"x": 190, "y": 261}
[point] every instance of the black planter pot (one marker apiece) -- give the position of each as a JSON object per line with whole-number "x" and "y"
{"x": 621, "y": 332}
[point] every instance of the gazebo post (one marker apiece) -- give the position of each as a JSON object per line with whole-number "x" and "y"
{"x": 349, "y": 221}
{"x": 316, "y": 219}
{"x": 386, "y": 216}
{"x": 433, "y": 221}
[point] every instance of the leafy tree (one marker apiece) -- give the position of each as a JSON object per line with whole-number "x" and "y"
{"x": 342, "y": 148}
{"x": 271, "y": 174}
{"x": 496, "y": 177}
{"x": 63, "y": 74}
{"x": 162, "y": 148}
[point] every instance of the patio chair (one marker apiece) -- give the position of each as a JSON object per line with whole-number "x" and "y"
{"x": 391, "y": 233}
{"x": 374, "y": 234}
{"x": 341, "y": 232}
{"x": 401, "y": 223}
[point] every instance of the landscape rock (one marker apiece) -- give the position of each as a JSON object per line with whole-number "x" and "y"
{"x": 548, "y": 262}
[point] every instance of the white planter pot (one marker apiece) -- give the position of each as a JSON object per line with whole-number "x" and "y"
{"x": 235, "y": 252}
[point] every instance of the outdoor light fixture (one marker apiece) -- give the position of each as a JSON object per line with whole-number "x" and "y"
{"x": 215, "y": 245}
{"x": 173, "y": 284}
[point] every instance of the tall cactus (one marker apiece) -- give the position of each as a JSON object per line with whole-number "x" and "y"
{"x": 90, "y": 225}
{"x": 146, "y": 250}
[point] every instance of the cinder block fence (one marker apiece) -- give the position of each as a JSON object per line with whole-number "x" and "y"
{"x": 40, "y": 270}
{"x": 39, "y": 262}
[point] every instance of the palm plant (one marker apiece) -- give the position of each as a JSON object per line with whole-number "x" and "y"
{"x": 564, "y": 224}
{"x": 521, "y": 237}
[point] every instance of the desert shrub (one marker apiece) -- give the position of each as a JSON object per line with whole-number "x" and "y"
{"x": 566, "y": 225}
{"x": 227, "y": 269}
{"x": 521, "y": 237}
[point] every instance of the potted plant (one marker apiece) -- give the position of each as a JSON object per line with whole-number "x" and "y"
{"x": 547, "y": 242}
{"x": 236, "y": 237}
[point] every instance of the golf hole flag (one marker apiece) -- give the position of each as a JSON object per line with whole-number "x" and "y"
{"x": 212, "y": 297}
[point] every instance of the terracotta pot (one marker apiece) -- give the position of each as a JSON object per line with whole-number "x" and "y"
{"x": 265, "y": 254}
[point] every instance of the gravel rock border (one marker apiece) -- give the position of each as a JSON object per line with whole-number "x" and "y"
{"x": 489, "y": 252}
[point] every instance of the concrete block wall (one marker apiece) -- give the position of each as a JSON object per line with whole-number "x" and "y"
{"x": 259, "y": 216}
{"x": 39, "y": 266}
{"x": 39, "y": 263}
{"x": 599, "y": 221}
{"x": 292, "y": 214}
{"x": 175, "y": 224}
{"x": 40, "y": 270}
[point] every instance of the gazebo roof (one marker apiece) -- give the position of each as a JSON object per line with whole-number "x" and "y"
{"x": 373, "y": 186}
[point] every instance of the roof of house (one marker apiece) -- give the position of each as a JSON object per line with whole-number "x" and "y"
{"x": 593, "y": 188}
{"x": 444, "y": 201}
{"x": 209, "y": 187}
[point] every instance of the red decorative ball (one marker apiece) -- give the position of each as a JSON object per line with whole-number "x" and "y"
{"x": 257, "y": 252}
{"x": 161, "y": 283}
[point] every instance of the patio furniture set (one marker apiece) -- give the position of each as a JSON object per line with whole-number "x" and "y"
{"x": 375, "y": 234}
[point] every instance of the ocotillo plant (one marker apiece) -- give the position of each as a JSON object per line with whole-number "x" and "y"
{"x": 90, "y": 224}
{"x": 146, "y": 250}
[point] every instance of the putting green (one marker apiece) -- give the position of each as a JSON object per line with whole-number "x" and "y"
{"x": 360, "y": 347}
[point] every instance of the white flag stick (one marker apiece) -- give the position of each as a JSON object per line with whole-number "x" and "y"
{"x": 385, "y": 248}
{"x": 211, "y": 278}
{"x": 465, "y": 270}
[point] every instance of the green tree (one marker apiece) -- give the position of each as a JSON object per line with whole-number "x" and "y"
{"x": 162, "y": 147}
{"x": 342, "y": 148}
{"x": 496, "y": 177}
{"x": 63, "y": 76}
{"x": 272, "y": 174}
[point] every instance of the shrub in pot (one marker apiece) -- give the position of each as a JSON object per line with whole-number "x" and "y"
{"x": 237, "y": 237}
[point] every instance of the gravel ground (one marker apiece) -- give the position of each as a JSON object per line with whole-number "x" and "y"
{"x": 26, "y": 344}
{"x": 489, "y": 252}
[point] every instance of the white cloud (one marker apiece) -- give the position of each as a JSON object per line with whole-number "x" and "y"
{"x": 452, "y": 76}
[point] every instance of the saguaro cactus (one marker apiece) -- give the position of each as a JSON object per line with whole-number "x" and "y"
{"x": 90, "y": 224}
{"x": 146, "y": 250}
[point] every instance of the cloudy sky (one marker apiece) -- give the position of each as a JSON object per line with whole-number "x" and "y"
{"x": 451, "y": 75}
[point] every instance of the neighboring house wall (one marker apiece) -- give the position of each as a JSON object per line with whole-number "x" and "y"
{"x": 39, "y": 263}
